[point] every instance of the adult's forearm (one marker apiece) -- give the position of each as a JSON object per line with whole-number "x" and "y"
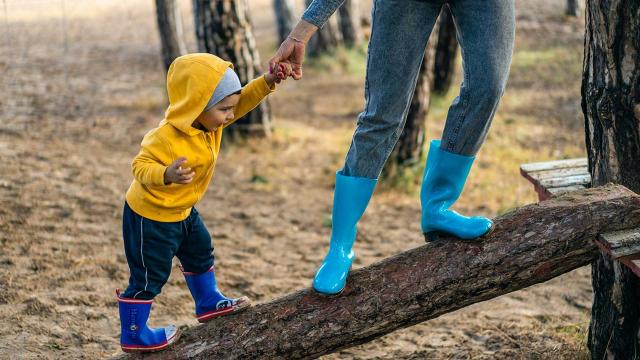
{"x": 320, "y": 10}
{"x": 303, "y": 31}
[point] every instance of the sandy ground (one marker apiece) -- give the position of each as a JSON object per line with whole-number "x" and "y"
{"x": 82, "y": 82}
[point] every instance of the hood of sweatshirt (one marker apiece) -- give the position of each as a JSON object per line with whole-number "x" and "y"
{"x": 191, "y": 80}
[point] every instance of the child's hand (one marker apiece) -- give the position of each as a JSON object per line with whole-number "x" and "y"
{"x": 283, "y": 71}
{"x": 176, "y": 174}
{"x": 280, "y": 73}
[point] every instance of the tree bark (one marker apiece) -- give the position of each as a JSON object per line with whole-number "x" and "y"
{"x": 326, "y": 39}
{"x": 572, "y": 8}
{"x": 223, "y": 28}
{"x": 529, "y": 245}
{"x": 169, "y": 22}
{"x": 611, "y": 106}
{"x": 349, "y": 22}
{"x": 409, "y": 147}
{"x": 445, "y": 56}
{"x": 284, "y": 17}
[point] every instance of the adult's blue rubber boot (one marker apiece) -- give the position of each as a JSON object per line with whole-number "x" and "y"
{"x": 444, "y": 177}
{"x": 135, "y": 335}
{"x": 350, "y": 199}
{"x": 210, "y": 302}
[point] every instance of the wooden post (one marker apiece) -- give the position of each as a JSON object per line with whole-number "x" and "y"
{"x": 610, "y": 97}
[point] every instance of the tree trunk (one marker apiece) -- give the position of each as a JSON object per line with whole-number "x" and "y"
{"x": 326, "y": 39}
{"x": 572, "y": 8}
{"x": 350, "y": 23}
{"x": 170, "y": 28}
{"x": 445, "y": 57}
{"x": 409, "y": 147}
{"x": 611, "y": 106}
{"x": 223, "y": 28}
{"x": 529, "y": 245}
{"x": 284, "y": 17}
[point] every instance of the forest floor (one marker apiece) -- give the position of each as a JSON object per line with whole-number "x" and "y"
{"x": 83, "y": 82}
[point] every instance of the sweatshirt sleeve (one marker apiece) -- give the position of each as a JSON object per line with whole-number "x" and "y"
{"x": 320, "y": 10}
{"x": 147, "y": 166}
{"x": 251, "y": 95}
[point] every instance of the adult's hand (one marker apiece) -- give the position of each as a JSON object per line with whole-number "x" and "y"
{"x": 292, "y": 52}
{"x": 292, "y": 49}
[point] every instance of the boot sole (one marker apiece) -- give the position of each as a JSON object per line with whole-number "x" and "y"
{"x": 169, "y": 343}
{"x": 330, "y": 295}
{"x": 433, "y": 236}
{"x": 236, "y": 309}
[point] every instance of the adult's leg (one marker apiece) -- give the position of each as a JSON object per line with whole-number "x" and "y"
{"x": 399, "y": 35}
{"x": 486, "y": 31}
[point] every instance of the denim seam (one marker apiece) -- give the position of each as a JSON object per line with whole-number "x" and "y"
{"x": 366, "y": 79}
{"x": 460, "y": 119}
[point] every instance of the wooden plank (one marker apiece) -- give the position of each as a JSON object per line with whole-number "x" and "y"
{"x": 557, "y": 182}
{"x": 621, "y": 243}
{"x": 563, "y": 190}
{"x": 633, "y": 264}
{"x": 554, "y": 165}
{"x": 547, "y": 174}
{"x": 553, "y": 178}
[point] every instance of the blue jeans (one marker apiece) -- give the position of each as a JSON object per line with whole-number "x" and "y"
{"x": 399, "y": 34}
{"x": 151, "y": 245}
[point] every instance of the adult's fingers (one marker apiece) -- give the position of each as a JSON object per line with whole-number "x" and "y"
{"x": 296, "y": 71}
{"x": 284, "y": 53}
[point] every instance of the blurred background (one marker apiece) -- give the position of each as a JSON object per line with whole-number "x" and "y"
{"x": 83, "y": 80}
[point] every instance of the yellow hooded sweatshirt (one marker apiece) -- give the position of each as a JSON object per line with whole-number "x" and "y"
{"x": 191, "y": 80}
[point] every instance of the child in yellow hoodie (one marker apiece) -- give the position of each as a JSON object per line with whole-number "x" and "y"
{"x": 171, "y": 174}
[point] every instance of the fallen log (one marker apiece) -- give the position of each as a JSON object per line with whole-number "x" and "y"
{"x": 529, "y": 245}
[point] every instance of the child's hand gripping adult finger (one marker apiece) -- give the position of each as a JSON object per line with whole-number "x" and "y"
{"x": 176, "y": 174}
{"x": 283, "y": 71}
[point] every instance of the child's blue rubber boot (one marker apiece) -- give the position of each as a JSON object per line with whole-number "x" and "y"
{"x": 135, "y": 335}
{"x": 210, "y": 302}
{"x": 444, "y": 177}
{"x": 350, "y": 200}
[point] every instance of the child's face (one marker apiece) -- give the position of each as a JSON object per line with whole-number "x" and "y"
{"x": 220, "y": 114}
